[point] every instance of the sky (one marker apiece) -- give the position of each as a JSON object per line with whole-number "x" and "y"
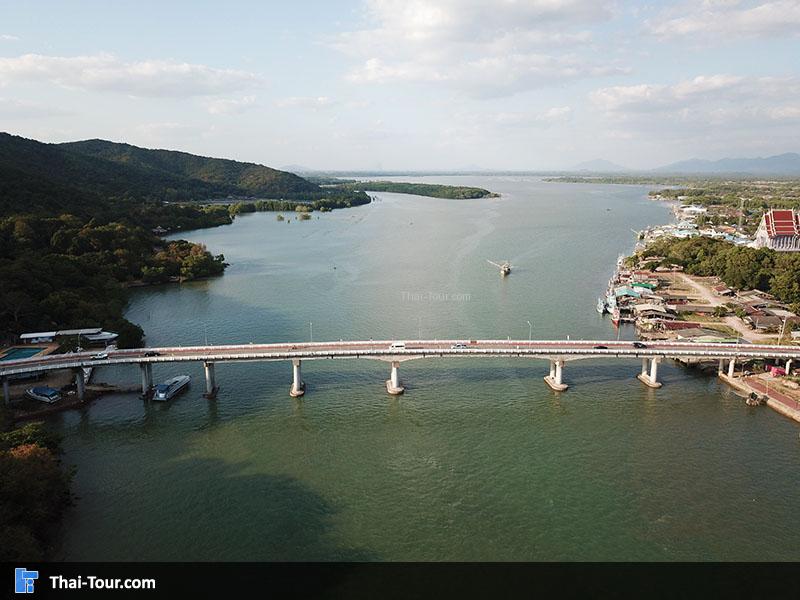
{"x": 409, "y": 84}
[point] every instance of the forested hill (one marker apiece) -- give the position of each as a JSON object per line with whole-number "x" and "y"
{"x": 222, "y": 174}
{"x": 95, "y": 177}
{"x": 77, "y": 226}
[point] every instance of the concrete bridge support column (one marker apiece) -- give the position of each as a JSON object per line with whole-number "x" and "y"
{"x": 298, "y": 386}
{"x": 80, "y": 384}
{"x": 645, "y": 366}
{"x": 393, "y": 385}
{"x": 721, "y": 369}
{"x": 147, "y": 377}
{"x": 211, "y": 382}
{"x": 789, "y": 367}
{"x": 732, "y": 368}
{"x": 6, "y": 392}
{"x": 650, "y": 379}
{"x": 554, "y": 380}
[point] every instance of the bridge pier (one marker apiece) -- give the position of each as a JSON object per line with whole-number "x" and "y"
{"x": 721, "y": 368}
{"x": 298, "y": 386}
{"x": 789, "y": 367}
{"x": 732, "y": 368}
{"x": 80, "y": 384}
{"x": 393, "y": 385}
{"x": 650, "y": 379}
{"x": 211, "y": 383}
{"x": 147, "y": 378}
{"x": 6, "y": 392}
{"x": 554, "y": 379}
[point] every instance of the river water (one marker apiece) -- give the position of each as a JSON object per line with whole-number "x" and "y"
{"x": 479, "y": 460}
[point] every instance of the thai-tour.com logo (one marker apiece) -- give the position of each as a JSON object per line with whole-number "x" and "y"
{"x": 24, "y": 580}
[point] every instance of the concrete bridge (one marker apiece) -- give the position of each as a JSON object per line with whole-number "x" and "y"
{"x": 557, "y": 352}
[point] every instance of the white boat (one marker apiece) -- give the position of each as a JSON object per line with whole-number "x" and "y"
{"x": 171, "y": 387}
{"x": 601, "y": 305}
{"x": 44, "y": 394}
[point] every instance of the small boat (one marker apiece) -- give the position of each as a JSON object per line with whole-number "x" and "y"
{"x": 601, "y": 306}
{"x": 171, "y": 387}
{"x": 44, "y": 394}
{"x": 505, "y": 267}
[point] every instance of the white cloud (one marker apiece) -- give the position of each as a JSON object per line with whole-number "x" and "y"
{"x": 5, "y": 37}
{"x": 648, "y": 98}
{"x": 103, "y": 72}
{"x": 21, "y": 109}
{"x": 702, "y": 94}
{"x": 484, "y": 47}
{"x": 313, "y": 102}
{"x": 715, "y": 111}
{"x": 231, "y": 106}
{"x": 728, "y": 18}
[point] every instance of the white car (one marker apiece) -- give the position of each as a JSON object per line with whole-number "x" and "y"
{"x": 100, "y": 356}
{"x": 398, "y": 346}
{"x": 458, "y": 346}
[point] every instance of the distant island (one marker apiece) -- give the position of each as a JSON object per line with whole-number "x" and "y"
{"x": 453, "y": 192}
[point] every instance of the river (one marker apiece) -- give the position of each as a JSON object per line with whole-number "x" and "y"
{"x": 479, "y": 460}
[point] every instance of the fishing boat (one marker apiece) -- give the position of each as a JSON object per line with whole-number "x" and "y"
{"x": 601, "y": 306}
{"x": 44, "y": 394}
{"x": 505, "y": 267}
{"x": 171, "y": 388}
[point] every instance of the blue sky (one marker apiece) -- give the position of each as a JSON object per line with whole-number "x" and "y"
{"x": 415, "y": 84}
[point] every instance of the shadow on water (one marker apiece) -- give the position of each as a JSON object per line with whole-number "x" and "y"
{"x": 210, "y": 509}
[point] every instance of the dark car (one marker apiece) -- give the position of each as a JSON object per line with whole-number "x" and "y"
{"x": 152, "y": 353}
{"x": 639, "y": 345}
{"x": 600, "y": 347}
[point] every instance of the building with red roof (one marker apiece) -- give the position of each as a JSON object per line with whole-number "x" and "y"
{"x": 779, "y": 230}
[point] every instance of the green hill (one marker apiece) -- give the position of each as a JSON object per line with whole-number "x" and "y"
{"x": 221, "y": 175}
{"x": 77, "y": 220}
{"x": 99, "y": 178}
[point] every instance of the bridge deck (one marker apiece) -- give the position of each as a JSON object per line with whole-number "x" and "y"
{"x": 380, "y": 350}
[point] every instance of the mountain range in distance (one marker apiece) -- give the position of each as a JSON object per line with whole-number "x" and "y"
{"x": 780, "y": 164}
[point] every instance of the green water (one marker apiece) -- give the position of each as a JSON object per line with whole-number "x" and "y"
{"x": 479, "y": 460}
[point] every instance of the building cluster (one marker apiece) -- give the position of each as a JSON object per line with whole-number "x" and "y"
{"x": 649, "y": 300}
{"x": 779, "y": 229}
{"x": 692, "y": 221}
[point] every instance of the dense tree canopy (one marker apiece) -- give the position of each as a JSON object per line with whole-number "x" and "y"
{"x": 777, "y": 273}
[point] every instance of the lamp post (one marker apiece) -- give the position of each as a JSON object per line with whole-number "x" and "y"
{"x": 530, "y": 331}
{"x": 311, "y": 332}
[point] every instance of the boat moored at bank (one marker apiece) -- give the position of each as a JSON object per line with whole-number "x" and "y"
{"x": 44, "y": 394}
{"x": 171, "y": 388}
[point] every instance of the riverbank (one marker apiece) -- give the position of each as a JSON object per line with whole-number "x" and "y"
{"x": 782, "y": 402}
{"x": 451, "y": 192}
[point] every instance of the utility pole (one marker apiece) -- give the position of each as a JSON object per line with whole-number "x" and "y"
{"x": 530, "y": 331}
{"x": 311, "y": 331}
